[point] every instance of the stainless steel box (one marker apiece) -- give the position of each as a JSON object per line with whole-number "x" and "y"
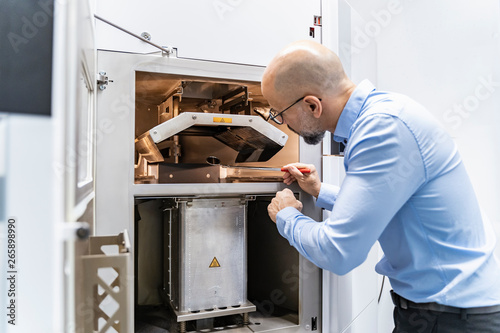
{"x": 207, "y": 249}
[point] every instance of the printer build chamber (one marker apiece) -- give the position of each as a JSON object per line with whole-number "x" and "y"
{"x": 197, "y": 254}
{"x": 193, "y": 119}
{"x": 207, "y": 249}
{"x": 211, "y": 263}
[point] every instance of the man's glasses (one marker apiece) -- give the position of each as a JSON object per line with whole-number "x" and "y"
{"x": 276, "y": 116}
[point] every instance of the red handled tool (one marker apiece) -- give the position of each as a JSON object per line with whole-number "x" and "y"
{"x": 303, "y": 170}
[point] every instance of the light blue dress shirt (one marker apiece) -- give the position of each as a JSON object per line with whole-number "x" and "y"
{"x": 405, "y": 186}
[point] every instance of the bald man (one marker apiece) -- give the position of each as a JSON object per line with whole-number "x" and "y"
{"x": 405, "y": 187}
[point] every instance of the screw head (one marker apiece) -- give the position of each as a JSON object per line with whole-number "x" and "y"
{"x": 82, "y": 233}
{"x": 146, "y": 35}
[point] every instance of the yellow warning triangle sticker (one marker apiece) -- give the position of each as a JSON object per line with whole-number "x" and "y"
{"x": 222, "y": 120}
{"x": 214, "y": 263}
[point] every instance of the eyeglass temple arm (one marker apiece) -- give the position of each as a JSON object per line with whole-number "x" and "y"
{"x": 262, "y": 115}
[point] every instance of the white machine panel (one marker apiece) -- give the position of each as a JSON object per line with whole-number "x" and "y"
{"x": 246, "y": 32}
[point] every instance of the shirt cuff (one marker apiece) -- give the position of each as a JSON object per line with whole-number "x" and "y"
{"x": 281, "y": 220}
{"x": 327, "y": 196}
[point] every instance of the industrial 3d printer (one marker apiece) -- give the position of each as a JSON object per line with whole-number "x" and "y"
{"x": 188, "y": 168}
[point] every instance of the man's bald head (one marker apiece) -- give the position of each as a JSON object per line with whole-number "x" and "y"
{"x": 302, "y": 68}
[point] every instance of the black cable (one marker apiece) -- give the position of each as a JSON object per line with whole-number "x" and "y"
{"x": 381, "y": 289}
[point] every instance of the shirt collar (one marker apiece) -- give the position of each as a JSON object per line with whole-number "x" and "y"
{"x": 351, "y": 110}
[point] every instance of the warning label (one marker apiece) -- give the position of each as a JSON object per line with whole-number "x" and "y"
{"x": 222, "y": 120}
{"x": 214, "y": 263}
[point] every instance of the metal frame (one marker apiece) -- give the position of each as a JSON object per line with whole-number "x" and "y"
{"x": 187, "y": 119}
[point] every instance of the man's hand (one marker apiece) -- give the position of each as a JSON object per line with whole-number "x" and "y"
{"x": 282, "y": 200}
{"x": 309, "y": 182}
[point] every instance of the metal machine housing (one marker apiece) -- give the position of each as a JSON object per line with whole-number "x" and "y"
{"x": 283, "y": 286}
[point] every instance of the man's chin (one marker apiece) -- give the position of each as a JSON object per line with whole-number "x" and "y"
{"x": 310, "y": 139}
{"x": 313, "y": 139}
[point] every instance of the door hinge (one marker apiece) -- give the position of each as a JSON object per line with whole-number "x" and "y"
{"x": 102, "y": 80}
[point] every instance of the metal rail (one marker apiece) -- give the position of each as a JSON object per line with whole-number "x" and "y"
{"x": 167, "y": 51}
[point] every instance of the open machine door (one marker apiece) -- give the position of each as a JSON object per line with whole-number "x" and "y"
{"x": 47, "y": 131}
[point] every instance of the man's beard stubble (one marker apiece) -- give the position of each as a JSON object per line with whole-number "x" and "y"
{"x": 313, "y": 138}
{"x": 310, "y": 132}
{"x": 310, "y": 137}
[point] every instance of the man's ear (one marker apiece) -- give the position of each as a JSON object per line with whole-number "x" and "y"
{"x": 314, "y": 105}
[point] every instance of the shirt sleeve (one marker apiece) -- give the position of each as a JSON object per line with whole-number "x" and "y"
{"x": 384, "y": 169}
{"x": 327, "y": 195}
